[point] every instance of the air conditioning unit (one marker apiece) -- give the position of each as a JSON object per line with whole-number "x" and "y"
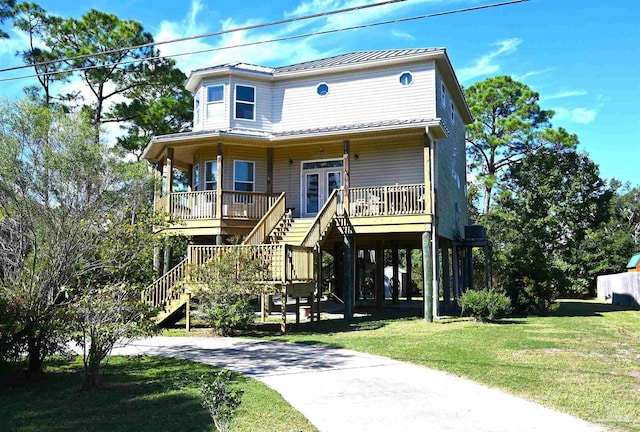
{"x": 475, "y": 232}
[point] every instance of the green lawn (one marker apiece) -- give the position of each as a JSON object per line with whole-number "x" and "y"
{"x": 140, "y": 394}
{"x": 584, "y": 360}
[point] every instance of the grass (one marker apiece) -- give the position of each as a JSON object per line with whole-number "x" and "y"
{"x": 583, "y": 360}
{"x": 140, "y": 394}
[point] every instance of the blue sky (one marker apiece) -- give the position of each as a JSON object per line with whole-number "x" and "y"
{"x": 583, "y": 57}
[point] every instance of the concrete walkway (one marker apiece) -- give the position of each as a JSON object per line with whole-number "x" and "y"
{"x": 343, "y": 390}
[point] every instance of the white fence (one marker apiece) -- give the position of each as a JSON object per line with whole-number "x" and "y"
{"x": 620, "y": 289}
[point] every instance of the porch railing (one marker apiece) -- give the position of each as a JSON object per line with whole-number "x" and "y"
{"x": 280, "y": 263}
{"x": 396, "y": 200}
{"x": 202, "y": 204}
{"x": 245, "y": 205}
{"x": 163, "y": 289}
{"x": 193, "y": 205}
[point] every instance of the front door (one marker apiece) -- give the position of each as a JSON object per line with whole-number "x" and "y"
{"x": 319, "y": 179}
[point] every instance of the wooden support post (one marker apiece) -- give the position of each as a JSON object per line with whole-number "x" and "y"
{"x": 298, "y": 313}
{"x": 490, "y": 254}
{"x": 188, "y": 313}
{"x": 426, "y": 151}
{"x": 270, "y": 171}
{"x": 379, "y": 277}
{"x": 157, "y": 185}
{"x": 318, "y": 280}
{"x": 219, "y": 180}
{"x": 348, "y": 285}
{"x": 346, "y": 177}
{"x": 427, "y": 269}
{"x": 487, "y": 265}
{"x": 470, "y": 267}
{"x": 456, "y": 273}
{"x": 409, "y": 288}
{"x": 219, "y": 240}
{"x": 283, "y": 309}
{"x": 156, "y": 259}
{"x": 395, "y": 286}
{"x": 167, "y": 258}
{"x": 190, "y": 187}
{"x": 263, "y": 307}
{"x": 446, "y": 277}
{"x": 311, "y": 302}
{"x": 169, "y": 168}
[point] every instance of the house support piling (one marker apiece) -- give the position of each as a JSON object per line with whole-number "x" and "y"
{"x": 427, "y": 269}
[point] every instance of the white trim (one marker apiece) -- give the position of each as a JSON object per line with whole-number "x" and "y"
{"x": 197, "y": 109}
{"x": 235, "y": 101}
{"x": 303, "y": 183}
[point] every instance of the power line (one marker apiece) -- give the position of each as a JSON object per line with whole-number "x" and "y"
{"x": 281, "y": 39}
{"x": 205, "y": 35}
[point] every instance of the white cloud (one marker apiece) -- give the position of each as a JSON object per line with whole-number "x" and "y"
{"x": 531, "y": 73}
{"x": 577, "y": 115}
{"x": 564, "y": 94}
{"x": 489, "y": 64}
{"x": 402, "y": 35}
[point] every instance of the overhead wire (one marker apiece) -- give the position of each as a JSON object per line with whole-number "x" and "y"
{"x": 205, "y": 35}
{"x": 280, "y": 39}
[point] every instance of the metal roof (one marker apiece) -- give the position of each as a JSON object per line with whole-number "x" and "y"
{"x": 633, "y": 262}
{"x": 357, "y": 57}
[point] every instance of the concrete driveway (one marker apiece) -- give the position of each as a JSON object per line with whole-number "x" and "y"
{"x": 343, "y": 390}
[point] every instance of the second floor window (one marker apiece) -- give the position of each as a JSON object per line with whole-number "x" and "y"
{"x": 210, "y": 175}
{"x": 215, "y": 102}
{"x": 245, "y": 102}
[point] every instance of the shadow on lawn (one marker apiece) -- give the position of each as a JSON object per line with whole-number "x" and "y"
{"x": 141, "y": 395}
{"x": 578, "y": 308}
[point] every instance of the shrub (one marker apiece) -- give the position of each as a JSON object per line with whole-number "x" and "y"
{"x": 485, "y": 305}
{"x": 227, "y": 317}
{"x": 220, "y": 399}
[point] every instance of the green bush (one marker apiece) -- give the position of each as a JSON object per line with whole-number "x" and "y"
{"x": 237, "y": 314}
{"x": 485, "y": 305}
{"x": 220, "y": 399}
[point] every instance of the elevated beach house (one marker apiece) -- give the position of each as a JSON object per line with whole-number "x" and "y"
{"x": 349, "y": 155}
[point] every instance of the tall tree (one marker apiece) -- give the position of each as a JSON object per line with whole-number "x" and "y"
{"x": 6, "y": 11}
{"x": 550, "y": 202}
{"x": 509, "y": 124}
{"x": 163, "y": 106}
{"x": 34, "y": 21}
{"x": 69, "y": 223}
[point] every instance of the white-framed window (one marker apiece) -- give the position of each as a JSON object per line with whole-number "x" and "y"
{"x": 195, "y": 181}
{"x": 406, "y": 78}
{"x": 210, "y": 175}
{"x": 443, "y": 94}
{"x": 245, "y": 106}
{"x": 322, "y": 89}
{"x": 244, "y": 174}
{"x": 453, "y": 113}
{"x": 196, "y": 107}
{"x": 215, "y": 102}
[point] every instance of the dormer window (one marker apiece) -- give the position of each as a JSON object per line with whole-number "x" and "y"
{"x": 215, "y": 102}
{"x": 245, "y": 102}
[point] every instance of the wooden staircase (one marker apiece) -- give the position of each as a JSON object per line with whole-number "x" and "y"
{"x": 288, "y": 246}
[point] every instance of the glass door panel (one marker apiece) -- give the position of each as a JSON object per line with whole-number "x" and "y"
{"x": 312, "y": 193}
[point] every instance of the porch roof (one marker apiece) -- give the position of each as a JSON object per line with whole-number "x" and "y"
{"x": 156, "y": 146}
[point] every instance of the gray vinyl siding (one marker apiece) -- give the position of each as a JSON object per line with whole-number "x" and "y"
{"x": 387, "y": 163}
{"x": 262, "y": 108}
{"x": 355, "y": 97}
{"x": 211, "y": 124}
{"x": 452, "y": 178}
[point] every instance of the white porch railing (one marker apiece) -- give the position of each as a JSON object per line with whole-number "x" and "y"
{"x": 193, "y": 205}
{"x": 246, "y": 205}
{"x": 396, "y": 200}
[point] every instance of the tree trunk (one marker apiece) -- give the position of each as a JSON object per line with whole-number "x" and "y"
{"x": 487, "y": 198}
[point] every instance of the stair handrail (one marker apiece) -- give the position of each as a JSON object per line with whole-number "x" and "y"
{"x": 160, "y": 291}
{"x": 269, "y": 221}
{"x": 323, "y": 219}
